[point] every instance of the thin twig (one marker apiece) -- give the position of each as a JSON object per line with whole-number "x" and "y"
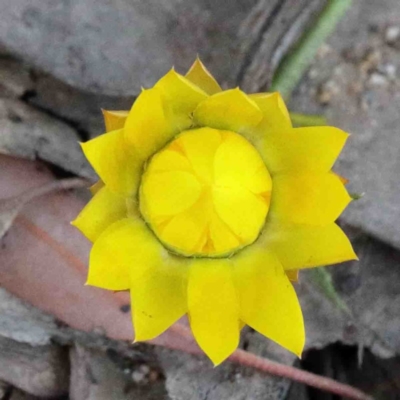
{"x": 247, "y": 359}
{"x": 320, "y": 382}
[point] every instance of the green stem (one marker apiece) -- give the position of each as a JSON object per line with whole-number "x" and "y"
{"x": 296, "y": 63}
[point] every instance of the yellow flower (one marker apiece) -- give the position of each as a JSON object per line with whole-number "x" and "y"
{"x": 211, "y": 202}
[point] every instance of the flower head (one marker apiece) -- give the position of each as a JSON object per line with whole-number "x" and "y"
{"x": 209, "y": 204}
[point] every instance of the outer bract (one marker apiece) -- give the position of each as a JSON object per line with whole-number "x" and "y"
{"x": 209, "y": 203}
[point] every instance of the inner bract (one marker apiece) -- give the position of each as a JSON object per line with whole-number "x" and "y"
{"x": 206, "y": 193}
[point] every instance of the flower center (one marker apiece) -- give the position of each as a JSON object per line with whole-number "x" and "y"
{"x": 206, "y": 193}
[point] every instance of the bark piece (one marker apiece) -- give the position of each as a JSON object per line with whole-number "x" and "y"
{"x": 38, "y": 370}
{"x": 274, "y": 27}
{"x": 19, "y": 395}
{"x": 28, "y": 133}
{"x": 23, "y": 323}
{"x": 80, "y": 107}
{"x": 15, "y": 79}
{"x": 194, "y": 378}
{"x": 117, "y": 48}
{"x": 95, "y": 377}
{"x": 76, "y": 107}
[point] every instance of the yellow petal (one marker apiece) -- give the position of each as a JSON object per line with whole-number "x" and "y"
{"x": 169, "y": 160}
{"x": 110, "y": 258}
{"x": 241, "y": 210}
{"x": 126, "y": 245}
{"x": 114, "y": 120}
{"x": 158, "y": 284}
{"x": 168, "y": 193}
{"x": 103, "y": 209}
{"x": 96, "y": 187}
{"x": 182, "y": 96}
{"x": 312, "y": 199}
{"x": 313, "y": 149}
{"x": 200, "y": 76}
{"x": 303, "y": 246}
{"x": 127, "y": 255}
{"x": 199, "y": 146}
{"x": 148, "y": 127}
{"x": 237, "y": 161}
{"x": 221, "y": 236}
{"x": 275, "y": 114}
{"x": 187, "y": 230}
{"x": 261, "y": 184}
{"x": 268, "y": 302}
{"x": 159, "y": 300}
{"x": 117, "y": 165}
{"x": 231, "y": 110}
{"x": 213, "y": 308}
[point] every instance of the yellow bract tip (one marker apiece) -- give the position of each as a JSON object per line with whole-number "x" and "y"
{"x": 200, "y": 76}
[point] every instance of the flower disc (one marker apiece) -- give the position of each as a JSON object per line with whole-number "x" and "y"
{"x": 212, "y": 186}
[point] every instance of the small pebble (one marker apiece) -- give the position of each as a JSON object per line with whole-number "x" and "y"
{"x": 390, "y": 71}
{"x": 327, "y": 92}
{"x": 141, "y": 375}
{"x": 370, "y": 61}
{"x": 392, "y": 34}
{"x": 366, "y": 100}
{"x": 154, "y": 376}
{"x": 144, "y": 368}
{"x": 377, "y": 79}
{"x": 338, "y": 70}
{"x": 238, "y": 376}
{"x": 138, "y": 376}
{"x": 324, "y": 50}
{"x": 313, "y": 73}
